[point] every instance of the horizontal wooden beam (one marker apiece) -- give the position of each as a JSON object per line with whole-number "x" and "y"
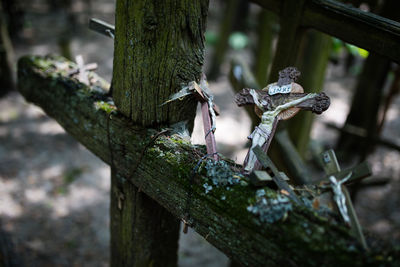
{"x": 362, "y": 133}
{"x": 162, "y": 166}
{"x": 363, "y": 29}
{"x": 102, "y": 27}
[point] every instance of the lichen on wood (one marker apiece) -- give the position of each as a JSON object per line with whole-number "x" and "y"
{"x": 161, "y": 166}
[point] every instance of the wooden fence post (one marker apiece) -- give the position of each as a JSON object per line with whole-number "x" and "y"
{"x": 312, "y": 62}
{"x": 159, "y": 47}
{"x": 6, "y": 57}
{"x": 143, "y": 233}
{"x": 263, "y": 53}
{"x": 290, "y": 35}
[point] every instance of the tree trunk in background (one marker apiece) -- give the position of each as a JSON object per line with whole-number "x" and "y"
{"x": 367, "y": 97}
{"x": 14, "y": 16}
{"x": 290, "y": 35}
{"x": 312, "y": 61}
{"x": 6, "y": 57}
{"x": 224, "y": 32}
{"x": 64, "y": 40}
{"x": 159, "y": 48}
{"x": 365, "y": 106}
{"x": 8, "y": 254}
{"x": 263, "y": 53}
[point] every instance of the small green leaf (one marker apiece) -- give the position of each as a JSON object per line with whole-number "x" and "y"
{"x": 363, "y": 53}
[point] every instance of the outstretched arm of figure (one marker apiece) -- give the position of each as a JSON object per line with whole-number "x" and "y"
{"x": 293, "y": 103}
{"x": 256, "y": 99}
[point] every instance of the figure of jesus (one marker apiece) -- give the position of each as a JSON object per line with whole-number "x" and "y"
{"x": 278, "y": 101}
{"x": 264, "y": 131}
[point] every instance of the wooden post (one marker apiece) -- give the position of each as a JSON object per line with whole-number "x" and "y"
{"x": 224, "y": 33}
{"x": 312, "y": 61}
{"x": 6, "y": 57}
{"x": 159, "y": 47}
{"x": 143, "y": 233}
{"x": 263, "y": 53}
{"x": 290, "y": 35}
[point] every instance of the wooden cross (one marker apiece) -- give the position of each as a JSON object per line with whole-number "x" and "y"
{"x": 82, "y": 70}
{"x": 275, "y": 174}
{"x": 278, "y": 101}
{"x": 341, "y": 194}
{"x": 262, "y": 178}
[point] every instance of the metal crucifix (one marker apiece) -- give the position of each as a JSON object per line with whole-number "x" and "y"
{"x": 341, "y": 196}
{"x": 278, "y": 101}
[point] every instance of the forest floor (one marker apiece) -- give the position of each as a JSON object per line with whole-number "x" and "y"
{"x": 54, "y": 194}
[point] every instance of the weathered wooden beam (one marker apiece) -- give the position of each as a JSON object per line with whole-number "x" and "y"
{"x": 160, "y": 165}
{"x": 352, "y": 25}
{"x": 361, "y": 133}
{"x": 290, "y": 35}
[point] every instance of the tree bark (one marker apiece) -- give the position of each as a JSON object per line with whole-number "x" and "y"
{"x": 159, "y": 48}
{"x": 143, "y": 233}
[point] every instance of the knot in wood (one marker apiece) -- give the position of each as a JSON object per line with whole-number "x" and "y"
{"x": 150, "y": 22}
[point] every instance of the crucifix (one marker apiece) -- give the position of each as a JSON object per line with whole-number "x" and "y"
{"x": 341, "y": 196}
{"x": 278, "y": 101}
{"x": 82, "y": 70}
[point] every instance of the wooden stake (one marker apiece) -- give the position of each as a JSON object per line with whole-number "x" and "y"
{"x": 275, "y": 174}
